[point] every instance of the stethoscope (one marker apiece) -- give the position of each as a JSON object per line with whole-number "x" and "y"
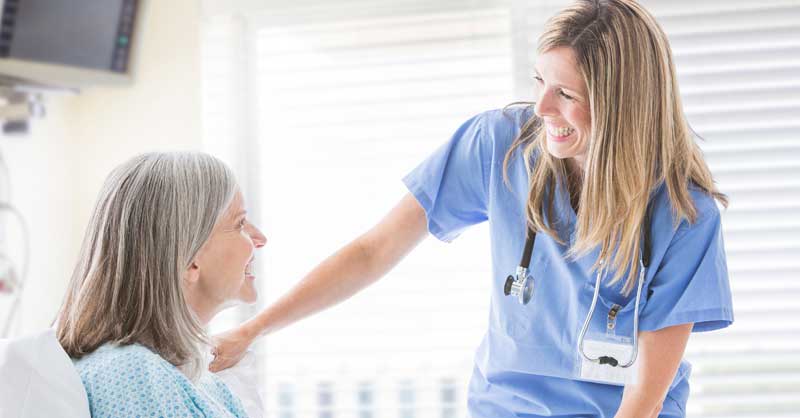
{"x": 521, "y": 286}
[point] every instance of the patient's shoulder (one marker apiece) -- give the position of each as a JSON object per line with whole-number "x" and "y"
{"x": 132, "y": 381}
{"x": 127, "y": 381}
{"x": 119, "y": 360}
{"x": 123, "y": 370}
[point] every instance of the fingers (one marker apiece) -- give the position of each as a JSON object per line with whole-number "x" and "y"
{"x": 220, "y": 362}
{"x": 216, "y": 365}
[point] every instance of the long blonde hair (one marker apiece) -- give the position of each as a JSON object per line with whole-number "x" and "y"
{"x": 639, "y": 134}
{"x": 153, "y": 214}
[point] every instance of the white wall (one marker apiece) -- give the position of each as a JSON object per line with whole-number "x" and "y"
{"x": 57, "y": 170}
{"x": 44, "y": 187}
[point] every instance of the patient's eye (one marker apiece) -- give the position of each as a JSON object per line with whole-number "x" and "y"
{"x": 242, "y": 223}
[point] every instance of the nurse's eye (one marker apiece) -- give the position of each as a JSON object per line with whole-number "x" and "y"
{"x": 538, "y": 79}
{"x": 242, "y": 223}
{"x": 565, "y": 95}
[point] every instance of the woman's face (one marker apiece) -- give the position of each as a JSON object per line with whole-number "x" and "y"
{"x": 563, "y": 104}
{"x": 222, "y": 271}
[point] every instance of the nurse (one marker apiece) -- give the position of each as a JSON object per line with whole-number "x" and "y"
{"x": 604, "y": 169}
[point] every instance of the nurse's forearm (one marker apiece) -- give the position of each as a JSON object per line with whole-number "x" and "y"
{"x": 660, "y": 354}
{"x": 337, "y": 278}
{"x": 349, "y": 270}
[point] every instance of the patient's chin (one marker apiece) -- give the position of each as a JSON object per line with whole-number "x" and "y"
{"x": 248, "y": 292}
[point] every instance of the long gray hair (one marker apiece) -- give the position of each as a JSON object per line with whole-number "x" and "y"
{"x": 153, "y": 214}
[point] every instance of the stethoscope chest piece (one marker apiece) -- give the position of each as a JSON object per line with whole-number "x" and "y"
{"x": 520, "y": 285}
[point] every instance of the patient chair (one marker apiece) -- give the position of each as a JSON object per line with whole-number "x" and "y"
{"x": 38, "y": 380}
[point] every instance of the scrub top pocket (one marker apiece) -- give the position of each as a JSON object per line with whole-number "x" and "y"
{"x": 610, "y": 296}
{"x": 614, "y": 311}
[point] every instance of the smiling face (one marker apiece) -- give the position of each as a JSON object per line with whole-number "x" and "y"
{"x": 222, "y": 270}
{"x": 563, "y": 104}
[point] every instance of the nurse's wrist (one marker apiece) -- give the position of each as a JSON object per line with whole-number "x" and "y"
{"x": 250, "y": 330}
{"x": 638, "y": 403}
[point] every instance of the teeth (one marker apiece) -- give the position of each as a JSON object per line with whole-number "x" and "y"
{"x": 560, "y": 131}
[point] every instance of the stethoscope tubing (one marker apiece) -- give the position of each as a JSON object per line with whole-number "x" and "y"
{"x": 644, "y": 263}
{"x": 589, "y": 315}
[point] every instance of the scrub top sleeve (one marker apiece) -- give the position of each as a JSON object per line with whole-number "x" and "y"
{"x": 691, "y": 284}
{"x": 452, "y": 184}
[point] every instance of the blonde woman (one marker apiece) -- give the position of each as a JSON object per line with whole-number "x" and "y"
{"x": 602, "y": 213}
{"x": 167, "y": 247}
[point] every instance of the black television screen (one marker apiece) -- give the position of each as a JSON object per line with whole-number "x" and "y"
{"x": 79, "y": 34}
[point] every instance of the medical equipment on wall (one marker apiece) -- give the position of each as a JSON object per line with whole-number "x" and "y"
{"x": 18, "y": 105}
{"x": 11, "y": 278}
{"x": 52, "y": 47}
{"x": 521, "y": 286}
{"x": 53, "y": 44}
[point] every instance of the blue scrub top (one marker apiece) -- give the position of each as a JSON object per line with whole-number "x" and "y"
{"x": 527, "y": 362}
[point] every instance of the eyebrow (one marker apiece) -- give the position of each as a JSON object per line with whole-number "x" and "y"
{"x": 241, "y": 212}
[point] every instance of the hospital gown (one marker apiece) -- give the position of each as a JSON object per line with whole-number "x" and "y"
{"x": 132, "y": 381}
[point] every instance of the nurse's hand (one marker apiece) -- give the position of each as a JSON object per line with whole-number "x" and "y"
{"x": 229, "y": 348}
{"x": 660, "y": 354}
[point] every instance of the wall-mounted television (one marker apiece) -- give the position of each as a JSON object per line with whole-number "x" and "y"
{"x": 68, "y": 43}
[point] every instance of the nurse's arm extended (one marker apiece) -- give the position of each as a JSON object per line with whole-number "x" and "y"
{"x": 660, "y": 354}
{"x": 354, "y": 267}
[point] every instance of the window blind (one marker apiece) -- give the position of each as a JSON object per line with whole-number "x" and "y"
{"x": 342, "y": 100}
{"x": 738, "y": 65}
{"x": 346, "y": 105}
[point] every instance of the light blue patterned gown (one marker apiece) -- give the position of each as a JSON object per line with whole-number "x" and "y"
{"x": 132, "y": 381}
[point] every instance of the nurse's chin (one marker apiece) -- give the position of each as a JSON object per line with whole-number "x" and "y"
{"x": 562, "y": 150}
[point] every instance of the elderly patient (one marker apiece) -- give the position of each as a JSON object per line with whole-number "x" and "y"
{"x": 168, "y": 246}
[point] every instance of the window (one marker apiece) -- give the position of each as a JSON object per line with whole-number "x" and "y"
{"x": 344, "y": 99}
{"x": 345, "y": 108}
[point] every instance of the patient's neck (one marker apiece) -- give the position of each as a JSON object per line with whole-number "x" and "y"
{"x": 203, "y": 317}
{"x": 204, "y": 310}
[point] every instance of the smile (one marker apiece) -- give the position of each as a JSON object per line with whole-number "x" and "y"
{"x": 560, "y": 132}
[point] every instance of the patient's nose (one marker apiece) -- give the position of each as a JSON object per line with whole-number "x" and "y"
{"x": 259, "y": 240}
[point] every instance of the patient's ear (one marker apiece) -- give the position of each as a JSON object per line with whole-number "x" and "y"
{"x": 192, "y": 274}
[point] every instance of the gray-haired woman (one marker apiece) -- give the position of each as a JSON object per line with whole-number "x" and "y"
{"x": 167, "y": 247}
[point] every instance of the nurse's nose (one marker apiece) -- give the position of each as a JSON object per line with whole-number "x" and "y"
{"x": 545, "y": 105}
